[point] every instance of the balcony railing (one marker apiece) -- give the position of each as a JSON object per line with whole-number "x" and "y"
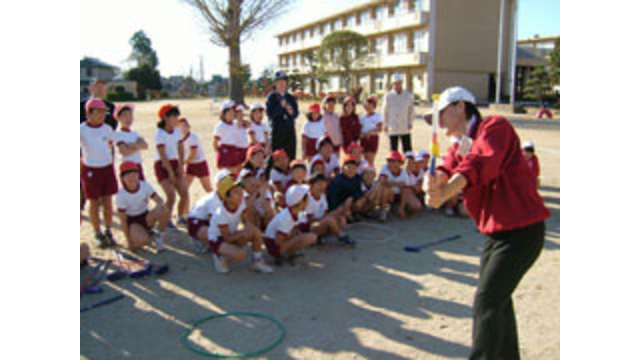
{"x": 373, "y": 61}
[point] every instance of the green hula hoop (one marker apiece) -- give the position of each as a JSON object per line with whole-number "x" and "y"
{"x": 186, "y": 343}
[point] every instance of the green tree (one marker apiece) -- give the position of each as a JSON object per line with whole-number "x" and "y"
{"x": 554, "y": 72}
{"x": 539, "y": 85}
{"x": 345, "y": 50}
{"x": 146, "y": 60}
{"x": 315, "y": 75}
{"x": 230, "y": 22}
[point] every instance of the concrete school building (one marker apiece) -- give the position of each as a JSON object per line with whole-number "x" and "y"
{"x": 433, "y": 43}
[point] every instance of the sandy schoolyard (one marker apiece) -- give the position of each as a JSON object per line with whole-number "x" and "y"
{"x": 372, "y": 302}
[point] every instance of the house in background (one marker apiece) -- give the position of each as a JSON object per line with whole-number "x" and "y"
{"x": 532, "y": 53}
{"x": 95, "y": 69}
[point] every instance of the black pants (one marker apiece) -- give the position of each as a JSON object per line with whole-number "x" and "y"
{"x": 506, "y": 258}
{"x": 284, "y": 139}
{"x": 406, "y": 142}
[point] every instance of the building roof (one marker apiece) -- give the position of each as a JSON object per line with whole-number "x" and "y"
{"x": 537, "y": 40}
{"x": 89, "y": 62}
{"x": 363, "y": 6}
{"x": 528, "y": 56}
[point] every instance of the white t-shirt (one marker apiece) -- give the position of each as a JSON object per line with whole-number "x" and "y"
{"x": 370, "y": 122}
{"x": 266, "y": 195}
{"x": 95, "y": 144}
{"x": 136, "y": 203}
{"x": 283, "y": 223}
{"x": 128, "y": 137}
{"x": 223, "y": 217}
{"x": 170, "y": 141}
{"x": 205, "y": 207}
{"x": 363, "y": 165}
{"x": 227, "y": 134}
{"x": 278, "y": 177}
{"x": 316, "y": 209}
{"x": 416, "y": 179}
{"x": 243, "y": 137}
{"x": 260, "y": 131}
{"x": 330, "y": 166}
{"x": 402, "y": 178}
{"x": 314, "y": 129}
{"x": 193, "y": 142}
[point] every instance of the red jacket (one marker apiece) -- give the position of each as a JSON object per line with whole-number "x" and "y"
{"x": 501, "y": 194}
{"x": 351, "y": 129}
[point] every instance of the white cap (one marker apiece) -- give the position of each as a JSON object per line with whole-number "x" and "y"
{"x": 422, "y": 155}
{"x": 246, "y": 173}
{"x": 409, "y": 154}
{"x": 528, "y": 145}
{"x": 295, "y": 194}
{"x": 240, "y": 107}
{"x": 453, "y": 95}
{"x": 257, "y": 106}
{"x": 229, "y": 104}
{"x": 397, "y": 77}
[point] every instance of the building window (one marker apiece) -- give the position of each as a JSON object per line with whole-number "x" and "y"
{"x": 381, "y": 45}
{"x": 364, "y": 16}
{"x": 381, "y": 13}
{"x": 400, "y": 7}
{"x": 419, "y": 41}
{"x": 400, "y": 43}
{"x": 380, "y": 81}
{"x": 337, "y": 25}
{"x": 351, "y": 22}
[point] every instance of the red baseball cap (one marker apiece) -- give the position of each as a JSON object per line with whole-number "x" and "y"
{"x": 353, "y": 146}
{"x": 278, "y": 154}
{"x": 128, "y": 167}
{"x": 349, "y": 99}
{"x": 350, "y": 159}
{"x": 95, "y": 103}
{"x": 315, "y": 107}
{"x": 373, "y": 100}
{"x": 395, "y": 156}
{"x": 165, "y": 109}
{"x": 254, "y": 149}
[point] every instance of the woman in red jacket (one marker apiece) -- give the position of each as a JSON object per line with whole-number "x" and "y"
{"x": 500, "y": 195}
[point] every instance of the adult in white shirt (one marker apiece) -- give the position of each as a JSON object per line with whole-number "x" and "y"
{"x": 398, "y": 114}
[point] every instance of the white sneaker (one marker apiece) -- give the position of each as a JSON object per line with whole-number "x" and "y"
{"x": 198, "y": 247}
{"x": 262, "y": 267}
{"x": 159, "y": 242}
{"x": 220, "y": 264}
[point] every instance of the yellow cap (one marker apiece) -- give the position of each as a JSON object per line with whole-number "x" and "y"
{"x": 225, "y": 185}
{"x": 435, "y": 97}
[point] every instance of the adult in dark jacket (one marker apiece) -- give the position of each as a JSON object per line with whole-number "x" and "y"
{"x": 282, "y": 110}
{"x": 488, "y": 167}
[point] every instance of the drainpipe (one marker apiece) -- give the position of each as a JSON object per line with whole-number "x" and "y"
{"x": 500, "y": 51}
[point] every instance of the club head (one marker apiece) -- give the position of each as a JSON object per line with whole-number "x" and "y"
{"x": 161, "y": 269}
{"x": 146, "y": 271}
{"x": 116, "y": 276}
{"x": 412, "y": 249}
{"x": 94, "y": 290}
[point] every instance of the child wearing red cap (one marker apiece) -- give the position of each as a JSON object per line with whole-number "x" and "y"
{"x": 196, "y": 162}
{"x": 127, "y": 140}
{"x": 226, "y": 137}
{"x": 257, "y": 161}
{"x": 312, "y": 131}
{"x": 136, "y": 219}
{"x": 259, "y": 132}
{"x": 328, "y": 157}
{"x": 345, "y": 193}
{"x": 371, "y": 123}
{"x": 97, "y": 174}
{"x": 227, "y": 242}
{"x": 283, "y": 237}
{"x": 169, "y": 161}
{"x": 349, "y": 124}
{"x": 396, "y": 190}
{"x": 332, "y": 122}
{"x": 355, "y": 150}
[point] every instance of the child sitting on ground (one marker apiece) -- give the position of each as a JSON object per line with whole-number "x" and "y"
{"x": 395, "y": 181}
{"x": 298, "y": 173}
{"x": 326, "y": 154}
{"x": 318, "y": 219}
{"x": 136, "y": 220}
{"x": 416, "y": 174}
{"x": 280, "y": 176}
{"x": 227, "y": 242}
{"x": 345, "y": 192}
{"x": 258, "y": 198}
{"x": 283, "y": 237}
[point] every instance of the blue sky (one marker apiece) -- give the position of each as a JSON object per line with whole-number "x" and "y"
{"x": 180, "y": 40}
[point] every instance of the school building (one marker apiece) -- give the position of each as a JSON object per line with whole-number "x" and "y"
{"x": 433, "y": 43}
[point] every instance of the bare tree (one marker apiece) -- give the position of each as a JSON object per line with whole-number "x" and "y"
{"x": 230, "y": 22}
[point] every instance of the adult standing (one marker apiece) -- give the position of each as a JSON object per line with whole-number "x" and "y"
{"x": 282, "y": 110}
{"x": 398, "y": 114}
{"x": 488, "y": 166}
{"x": 98, "y": 91}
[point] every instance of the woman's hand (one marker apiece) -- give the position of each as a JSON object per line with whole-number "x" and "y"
{"x": 435, "y": 192}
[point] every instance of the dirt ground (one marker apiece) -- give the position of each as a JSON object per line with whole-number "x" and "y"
{"x": 373, "y": 302}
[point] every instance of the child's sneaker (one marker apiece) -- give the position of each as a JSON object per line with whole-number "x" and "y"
{"x": 171, "y": 226}
{"x": 159, "y": 242}
{"x": 183, "y": 222}
{"x": 198, "y": 247}
{"x": 220, "y": 264}
{"x": 347, "y": 240}
{"x": 111, "y": 242}
{"x": 261, "y": 266}
{"x": 101, "y": 240}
